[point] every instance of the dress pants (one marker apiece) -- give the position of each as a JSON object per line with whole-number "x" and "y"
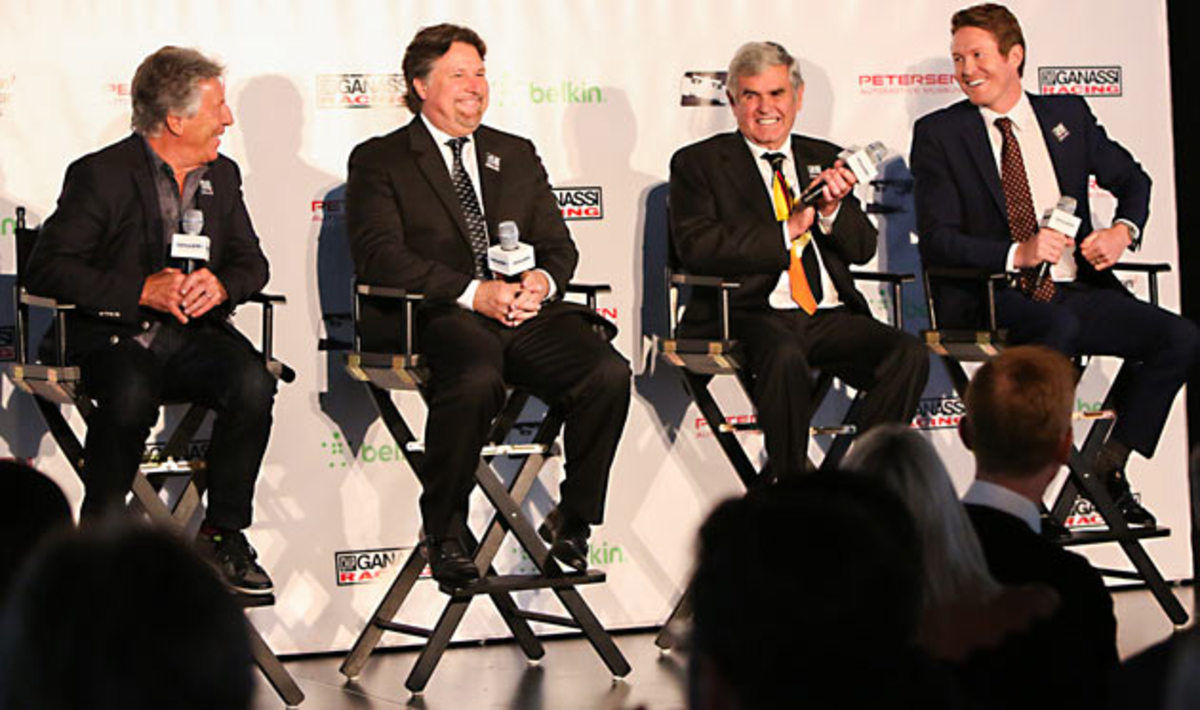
{"x": 201, "y": 362}
{"x": 1160, "y": 348}
{"x": 560, "y": 358}
{"x": 784, "y": 347}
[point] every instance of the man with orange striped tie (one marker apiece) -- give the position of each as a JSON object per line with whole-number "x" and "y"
{"x": 735, "y": 213}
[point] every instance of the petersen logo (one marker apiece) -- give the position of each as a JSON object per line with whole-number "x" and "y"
{"x": 703, "y": 88}
{"x": 364, "y": 566}
{"x": 1082, "y": 81}
{"x": 118, "y": 91}
{"x": 6, "y": 90}
{"x": 331, "y": 210}
{"x": 580, "y": 203}
{"x": 360, "y": 91}
{"x": 907, "y": 83}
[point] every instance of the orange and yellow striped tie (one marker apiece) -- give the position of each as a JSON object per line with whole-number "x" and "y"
{"x": 784, "y": 202}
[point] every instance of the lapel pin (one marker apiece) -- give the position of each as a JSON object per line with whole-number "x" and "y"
{"x": 813, "y": 171}
{"x": 206, "y": 187}
{"x": 1060, "y": 132}
{"x": 492, "y": 161}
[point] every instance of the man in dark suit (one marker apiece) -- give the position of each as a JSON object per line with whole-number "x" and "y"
{"x": 423, "y": 204}
{"x": 985, "y": 168}
{"x": 145, "y": 327}
{"x": 1018, "y": 425}
{"x": 734, "y": 214}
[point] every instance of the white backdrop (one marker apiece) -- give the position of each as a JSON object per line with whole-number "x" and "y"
{"x": 599, "y": 87}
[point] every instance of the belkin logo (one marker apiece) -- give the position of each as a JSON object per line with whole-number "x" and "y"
{"x": 1081, "y": 81}
{"x": 566, "y": 91}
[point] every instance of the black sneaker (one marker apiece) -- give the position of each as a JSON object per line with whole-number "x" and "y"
{"x": 230, "y": 552}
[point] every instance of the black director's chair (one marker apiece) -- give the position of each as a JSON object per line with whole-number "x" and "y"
{"x": 54, "y": 384}
{"x": 956, "y": 346}
{"x": 699, "y": 359}
{"x": 406, "y": 370}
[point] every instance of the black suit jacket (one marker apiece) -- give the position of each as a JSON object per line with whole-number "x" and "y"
{"x": 723, "y": 224}
{"x": 407, "y": 229}
{"x": 1070, "y": 657}
{"x": 106, "y": 237}
{"x": 961, "y": 217}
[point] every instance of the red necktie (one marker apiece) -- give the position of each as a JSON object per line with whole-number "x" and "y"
{"x": 1022, "y": 224}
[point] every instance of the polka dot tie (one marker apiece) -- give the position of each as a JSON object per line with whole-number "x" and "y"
{"x": 476, "y": 228}
{"x": 1022, "y": 223}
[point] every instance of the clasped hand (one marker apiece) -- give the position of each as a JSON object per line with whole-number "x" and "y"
{"x": 512, "y": 303}
{"x": 184, "y": 296}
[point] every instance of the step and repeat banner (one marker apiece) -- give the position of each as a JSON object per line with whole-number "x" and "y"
{"x": 607, "y": 91}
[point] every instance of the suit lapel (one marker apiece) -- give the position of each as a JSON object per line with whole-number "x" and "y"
{"x": 433, "y": 167}
{"x": 743, "y": 172}
{"x": 489, "y": 178}
{"x": 979, "y": 148}
{"x": 1053, "y": 145}
{"x": 141, "y": 167}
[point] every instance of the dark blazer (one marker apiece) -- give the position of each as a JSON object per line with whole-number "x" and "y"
{"x": 407, "y": 229}
{"x": 1070, "y": 657}
{"x": 723, "y": 224}
{"x": 961, "y": 217}
{"x": 106, "y": 237}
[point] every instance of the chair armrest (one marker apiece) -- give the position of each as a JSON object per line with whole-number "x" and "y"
{"x": 44, "y": 302}
{"x": 883, "y": 277}
{"x": 984, "y": 277}
{"x": 1151, "y": 269}
{"x": 362, "y": 290}
{"x": 267, "y": 298}
{"x": 589, "y": 291}
{"x": 386, "y": 292}
{"x": 703, "y": 281}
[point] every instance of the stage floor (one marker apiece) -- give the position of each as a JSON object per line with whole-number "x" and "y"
{"x": 571, "y": 676}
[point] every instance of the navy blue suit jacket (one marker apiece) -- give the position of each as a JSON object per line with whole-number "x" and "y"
{"x": 961, "y": 217}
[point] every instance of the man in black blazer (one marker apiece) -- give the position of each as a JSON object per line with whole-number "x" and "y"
{"x": 732, "y": 216}
{"x": 423, "y": 204}
{"x": 149, "y": 327}
{"x": 963, "y": 218}
{"x": 1018, "y": 425}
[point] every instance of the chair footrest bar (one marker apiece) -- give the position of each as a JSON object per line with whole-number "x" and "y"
{"x": 170, "y": 467}
{"x": 554, "y": 619}
{"x": 399, "y": 628}
{"x": 1120, "y": 574}
{"x": 1093, "y": 537}
{"x": 519, "y": 582}
{"x": 496, "y": 449}
{"x": 844, "y": 429}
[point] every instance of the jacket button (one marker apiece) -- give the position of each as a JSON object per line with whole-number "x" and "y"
{"x": 145, "y": 325}
{"x": 113, "y": 339}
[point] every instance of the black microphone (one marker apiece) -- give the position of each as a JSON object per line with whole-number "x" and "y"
{"x": 1061, "y": 218}
{"x": 863, "y": 162}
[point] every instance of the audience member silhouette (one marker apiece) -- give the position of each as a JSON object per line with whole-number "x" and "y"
{"x": 31, "y": 505}
{"x": 122, "y": 618}
{"x": 802, "y": 584}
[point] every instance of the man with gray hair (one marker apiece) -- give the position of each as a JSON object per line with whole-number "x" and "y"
{"x": 735, "y": 212}
{"x": 151, "y": 326}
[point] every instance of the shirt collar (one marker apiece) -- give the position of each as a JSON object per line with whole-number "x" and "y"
{"x": 758, "y": 151}
{"x": 999, "y": 498}
{"x": 441, "y": 137}
{"x": 1021, "y": 114}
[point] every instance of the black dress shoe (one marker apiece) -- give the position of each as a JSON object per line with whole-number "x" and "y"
{"x": 567, "y": 538}
{"x": 448, "y": 562}
{"x": 1135, "y": 513}
{"x": 231, "y": 554}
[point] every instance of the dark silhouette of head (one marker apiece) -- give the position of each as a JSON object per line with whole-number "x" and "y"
{"x": 31, "y": 505}
{"x": 122, "y": 618}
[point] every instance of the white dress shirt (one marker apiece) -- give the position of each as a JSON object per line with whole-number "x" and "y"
{"x": 780, "y": 297}
{"x": 1004, "y": 500}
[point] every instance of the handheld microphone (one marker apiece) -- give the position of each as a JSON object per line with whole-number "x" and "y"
{"x": 191, "y": 246}
{"x": 1060, "y": 218}
{"x": 863, "y": 162}
{"x": 510, "y": 257}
